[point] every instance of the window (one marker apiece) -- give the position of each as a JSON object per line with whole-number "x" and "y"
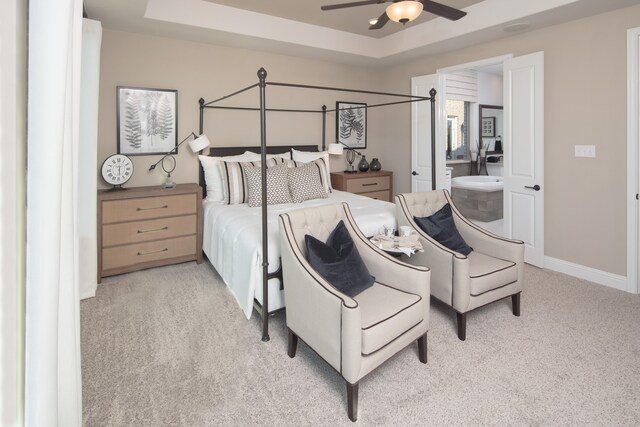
{"x": 458, "y": 129}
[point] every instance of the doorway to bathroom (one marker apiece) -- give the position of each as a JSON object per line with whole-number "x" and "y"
{"x": 465, "y": 140}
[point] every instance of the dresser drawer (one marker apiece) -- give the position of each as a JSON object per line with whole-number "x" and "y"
{"x": 368, "y": 184}
{"x": 151, "y": 229}
{"x": 139, "y": 253}
{"x": 379, "y": 195}
{"x": 147, "y": 208}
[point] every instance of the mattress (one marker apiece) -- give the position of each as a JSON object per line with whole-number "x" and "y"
{"x": 232, "y": 240}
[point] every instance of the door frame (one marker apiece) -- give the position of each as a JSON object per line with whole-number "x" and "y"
{"x": 441, "y": 161}
{"x": 633, "y": 159}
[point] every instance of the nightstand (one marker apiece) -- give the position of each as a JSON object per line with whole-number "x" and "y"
{"x": 144, "y": 227}
{"x": 377, "y": 185}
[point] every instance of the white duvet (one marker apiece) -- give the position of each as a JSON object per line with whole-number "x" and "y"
{"x": 232, "y": 240}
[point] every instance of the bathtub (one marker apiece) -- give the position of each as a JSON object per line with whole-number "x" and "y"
{"x": 478, "y": 197}
{"x": 485, "y": 183}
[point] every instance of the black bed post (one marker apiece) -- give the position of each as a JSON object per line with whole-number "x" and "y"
{"x": 262, "y": 76}
{"x": 201, "y": 128}
{"x": 432, "y": 93}
{"x": 200, "y": 132}
{"x": 324, "y": 127}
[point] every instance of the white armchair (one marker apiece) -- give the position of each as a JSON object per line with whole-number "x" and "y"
{"x": 354, "y": 335}
{"x": 492, "y": 271}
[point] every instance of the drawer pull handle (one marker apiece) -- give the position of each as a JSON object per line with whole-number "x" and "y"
{"x": 370, "y": 184}
{"x": 153, "y": 229}
{"x": 155, "y": 207}
{"x": 153, "y": 252}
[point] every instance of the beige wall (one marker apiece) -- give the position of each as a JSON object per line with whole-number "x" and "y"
{"x": 585, "y": 103}
{"x": 200, "y": 70}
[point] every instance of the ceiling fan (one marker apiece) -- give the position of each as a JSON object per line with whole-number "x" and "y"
{"x": 403, "y": 11}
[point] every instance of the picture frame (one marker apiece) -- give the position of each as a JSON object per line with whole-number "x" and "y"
{"x": 488, "y": 127}
{"x": 147, "y": 121}
{"x": 351, "y": 124}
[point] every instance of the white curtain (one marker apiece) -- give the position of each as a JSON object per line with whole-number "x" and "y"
{"x": 88, "y": 156}
{"x": 53, "y": 387}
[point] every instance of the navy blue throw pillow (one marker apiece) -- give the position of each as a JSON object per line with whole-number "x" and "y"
{"x": 339, "y": 262}
{"x": 443, "y": 229}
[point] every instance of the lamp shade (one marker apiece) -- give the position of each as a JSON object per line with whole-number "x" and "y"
{"x": 404, "y": 11}
{"x": 200, "y": 143}
{"x": 335, "y": 149}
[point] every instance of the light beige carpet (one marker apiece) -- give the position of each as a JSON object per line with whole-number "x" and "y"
{"x": 170, "y": 347}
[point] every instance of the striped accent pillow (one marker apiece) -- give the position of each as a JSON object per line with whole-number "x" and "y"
{"x": 234, "y": 181}
{"x": 277, "y": 187}
{"x": 321, "y": 168}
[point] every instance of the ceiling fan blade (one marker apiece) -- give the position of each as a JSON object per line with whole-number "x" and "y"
{"x": 352, "y": 4}
{"x": 381, "y": 22}
{"x": 442, "y": 10}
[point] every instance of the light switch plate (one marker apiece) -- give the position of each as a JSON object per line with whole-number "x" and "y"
{"x": 585, "y": 150}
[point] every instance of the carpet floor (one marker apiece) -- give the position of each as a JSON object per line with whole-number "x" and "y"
{"x": 170, "y": 347}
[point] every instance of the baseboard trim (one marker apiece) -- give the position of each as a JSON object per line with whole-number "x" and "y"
{"x": 587, "y": 273}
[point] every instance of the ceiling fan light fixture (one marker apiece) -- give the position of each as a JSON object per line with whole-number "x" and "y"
{"x": 373, "y": 21}
{"x": 404, "y": 11}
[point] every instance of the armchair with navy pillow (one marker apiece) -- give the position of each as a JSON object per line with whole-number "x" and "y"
{"x": 470, "y": 267}
{"x": 352, "y": 303}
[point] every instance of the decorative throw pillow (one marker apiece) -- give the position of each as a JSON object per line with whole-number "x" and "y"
{"x": 213, "y": 176}
{"x": 310, "y": 156}
{"x": 305, "y": 183}
{"x": 277, "y": 186}
{"x": 338, "y": 261}
{"x": 234, "y": 181}
{"x": 443, "y": 229}
{"x": 319, "y": 168}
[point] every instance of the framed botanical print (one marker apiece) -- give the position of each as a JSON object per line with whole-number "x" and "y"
{"x": 351, "y": 124}
{"x": 147, "y": 120}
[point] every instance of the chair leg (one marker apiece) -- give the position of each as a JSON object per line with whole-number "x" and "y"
{"x": 352, "y": 401}
{"x": 515, "y": 304}
{"x": 462, "y": 326}
{"x": 422, "y": 348}
{"x": 292, "y": 342}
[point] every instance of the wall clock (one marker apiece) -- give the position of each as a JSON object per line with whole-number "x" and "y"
{"x": 116, "y": 170}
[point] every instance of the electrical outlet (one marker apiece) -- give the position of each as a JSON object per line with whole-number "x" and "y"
{"x": 585, "y": 150}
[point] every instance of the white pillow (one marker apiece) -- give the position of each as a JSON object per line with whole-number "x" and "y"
{"x": 258, "y": 157}
{"x": 212, "y": 175}
{"x": 310, "y": 156}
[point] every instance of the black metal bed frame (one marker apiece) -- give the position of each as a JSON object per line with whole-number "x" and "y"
{"x": 262, "y": 84}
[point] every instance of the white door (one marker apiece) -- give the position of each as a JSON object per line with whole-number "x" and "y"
{"x": 523, "y": 144}
{"x": 421, "y": 173}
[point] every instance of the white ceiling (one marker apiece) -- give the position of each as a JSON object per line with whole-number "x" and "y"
{"x": 353, "y": 20}
{"x": 300, "y": 28}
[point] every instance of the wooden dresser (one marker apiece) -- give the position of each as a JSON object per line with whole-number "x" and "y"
{"x": 145, "y": 227}
{"x": 377, "y": 185}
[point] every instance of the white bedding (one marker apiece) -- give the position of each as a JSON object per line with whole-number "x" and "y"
{"x": 232, "y": 240}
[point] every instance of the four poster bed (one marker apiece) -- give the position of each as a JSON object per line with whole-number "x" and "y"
{"x": 240, "y": 239}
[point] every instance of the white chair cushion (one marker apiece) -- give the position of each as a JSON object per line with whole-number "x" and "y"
{"x": 488, "y": 273}
{"x": 386, "y": 313}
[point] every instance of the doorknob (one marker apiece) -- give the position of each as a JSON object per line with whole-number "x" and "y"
{"x": 414, "y": 173}
{"x": 535, "y": 187}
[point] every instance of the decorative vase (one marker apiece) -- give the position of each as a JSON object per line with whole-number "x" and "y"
{"x": 375, "y": 165}
{"x": 363, "y": 166}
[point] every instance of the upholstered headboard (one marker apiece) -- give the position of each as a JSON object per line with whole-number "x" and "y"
{"x": 232, "y": 151}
